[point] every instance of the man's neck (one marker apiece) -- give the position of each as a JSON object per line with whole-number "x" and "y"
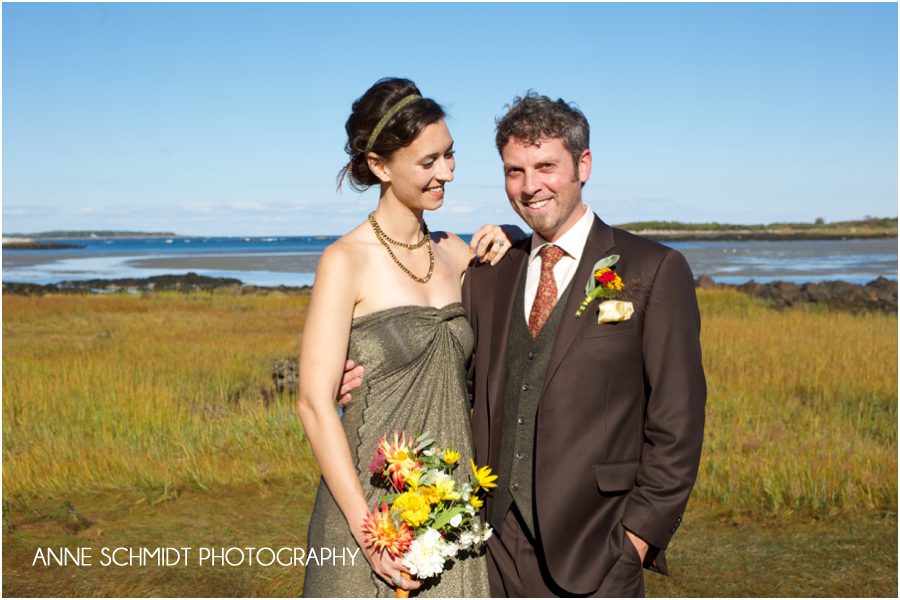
{"x": 567, "y": 227}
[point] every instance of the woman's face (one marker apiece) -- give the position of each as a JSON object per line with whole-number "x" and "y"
{"x": 418, "y": 172}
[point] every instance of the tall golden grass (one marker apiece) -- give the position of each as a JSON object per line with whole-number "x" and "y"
{"x": 148, "y": 393}
{"x": 801, "y": 410}
{"x": 165, "y": 392}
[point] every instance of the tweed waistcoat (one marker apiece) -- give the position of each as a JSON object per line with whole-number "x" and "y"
{"x": 527, "y": 360}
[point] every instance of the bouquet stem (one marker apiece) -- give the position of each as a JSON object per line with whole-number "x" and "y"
{"x": 400, "y": 592}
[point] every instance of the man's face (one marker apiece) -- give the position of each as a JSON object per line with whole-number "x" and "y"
{"x": 543, "y": 185}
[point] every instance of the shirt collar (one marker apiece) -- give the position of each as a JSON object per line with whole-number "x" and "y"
{"x": 572, "y": 242}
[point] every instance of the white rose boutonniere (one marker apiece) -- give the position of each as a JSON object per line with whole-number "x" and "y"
{"x": 613, "y": 311}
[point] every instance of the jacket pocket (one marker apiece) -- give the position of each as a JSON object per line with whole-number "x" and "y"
{"x": 616, "y": 477}
{"x": 595, "y": 330}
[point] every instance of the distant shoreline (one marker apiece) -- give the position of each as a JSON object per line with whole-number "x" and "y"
{"x": 26, "y": 244}
{"x": 756, "y": 236}
{"x": 859, "y": 229}
{"x": 656, "y": 235}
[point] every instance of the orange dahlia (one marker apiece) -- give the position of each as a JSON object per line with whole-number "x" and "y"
{"x": 400, "y": 456}
{"x": 386, "y": 532}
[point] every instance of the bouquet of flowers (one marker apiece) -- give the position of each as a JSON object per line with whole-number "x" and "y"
{"x": 428, "y": 518}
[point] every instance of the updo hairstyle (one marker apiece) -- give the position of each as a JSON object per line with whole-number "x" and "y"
{"x": 399, "y": 131}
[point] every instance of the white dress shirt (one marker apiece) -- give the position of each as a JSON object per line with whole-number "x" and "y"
{"x": 572, "y": 243}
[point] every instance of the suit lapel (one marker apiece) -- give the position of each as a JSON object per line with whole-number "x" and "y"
{"x": 599, "y": 244}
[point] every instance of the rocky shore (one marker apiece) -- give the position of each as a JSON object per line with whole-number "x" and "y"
{"x": 877, "y": 295}
{"x": 190, "y": 282}
{"x": 29, "y": 244}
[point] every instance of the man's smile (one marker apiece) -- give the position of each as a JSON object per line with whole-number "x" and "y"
{"x": 536, "y": 204}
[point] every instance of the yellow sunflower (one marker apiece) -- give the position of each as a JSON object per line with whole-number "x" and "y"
{"x": 485, "y": 480}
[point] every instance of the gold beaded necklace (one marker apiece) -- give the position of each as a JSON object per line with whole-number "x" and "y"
{"x": 386, "y": 241}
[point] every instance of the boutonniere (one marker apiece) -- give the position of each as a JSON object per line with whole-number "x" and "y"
{"x": 604, "y": 283}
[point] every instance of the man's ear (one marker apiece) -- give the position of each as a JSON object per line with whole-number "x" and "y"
{"x": 584, "y": 166}
{"x": 379, "y": 167}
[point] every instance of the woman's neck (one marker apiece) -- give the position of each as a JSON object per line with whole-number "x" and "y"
{"x": 399, "y": 222}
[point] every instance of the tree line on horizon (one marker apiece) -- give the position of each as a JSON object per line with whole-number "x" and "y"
{"x": 868, "y": 222}
{"x": 820, "y": 223}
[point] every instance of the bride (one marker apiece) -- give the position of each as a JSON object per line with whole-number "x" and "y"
{"x": 387, "y": 295}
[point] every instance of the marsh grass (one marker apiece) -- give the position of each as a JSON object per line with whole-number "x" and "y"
{"x": 152, "y": 420}
{"x": 802, "y": 409}
{"x": 156, "y": 394}
{"x": 163, "y": 393}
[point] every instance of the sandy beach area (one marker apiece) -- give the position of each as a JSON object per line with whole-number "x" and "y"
{"x": 284, "y": 263}
{"x": 281, "y": 263}
{"x": 857, "y": 261}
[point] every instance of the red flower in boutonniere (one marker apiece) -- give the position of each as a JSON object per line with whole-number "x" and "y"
{"x": 608, "y": 278}
{"x": 603, "y": 283}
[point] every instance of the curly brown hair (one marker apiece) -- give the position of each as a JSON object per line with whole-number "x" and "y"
{"x": 532, "y": 117}
{"x": 400, "y": 131}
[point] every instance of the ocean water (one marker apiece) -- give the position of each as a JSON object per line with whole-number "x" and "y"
{"x": 291, "y": 261}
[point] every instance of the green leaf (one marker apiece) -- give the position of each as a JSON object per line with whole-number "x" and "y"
{"x": 603, "y": 262}
{"x": 444, "y": 516}
{"x": 423, "y": 442}
{"x": 389, "y": 498}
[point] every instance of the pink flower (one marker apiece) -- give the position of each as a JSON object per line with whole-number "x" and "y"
{"x": 378, "y": 462}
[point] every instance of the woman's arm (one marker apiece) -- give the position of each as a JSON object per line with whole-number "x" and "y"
{"x": 322, "y": 359}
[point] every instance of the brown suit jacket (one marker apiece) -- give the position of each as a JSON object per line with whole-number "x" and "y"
{"x": 620, "y": 421}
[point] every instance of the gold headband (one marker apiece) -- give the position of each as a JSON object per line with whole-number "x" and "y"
{"x": 387, "y": 117}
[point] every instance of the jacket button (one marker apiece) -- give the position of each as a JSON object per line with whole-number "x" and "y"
{"x": 524, "y": 387}
{"x": 520, "y": 420}
{"x": 520, "y": 455}
{"x": 514, "y": 486}
{"x": 531, "y": 356}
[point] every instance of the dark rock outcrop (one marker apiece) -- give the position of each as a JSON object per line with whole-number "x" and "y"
{"x": 877, "y": 295}
{"x": 30, "y": 245}
{"x": 286, "y": 376}
{"x": 705, "y": 282}
{"x": 190, "y": 282}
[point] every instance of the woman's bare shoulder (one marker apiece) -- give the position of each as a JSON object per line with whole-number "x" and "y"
{"x": 339, "y": 273}
{"x": 452, "y": 244}
{"x": 348, "y": 251}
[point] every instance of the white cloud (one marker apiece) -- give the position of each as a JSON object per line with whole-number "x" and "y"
{"x": 251, "y": 205}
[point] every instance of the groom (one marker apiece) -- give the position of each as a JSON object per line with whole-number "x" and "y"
{"x": 594, "y": 428}
{"x": 594, "y": 425}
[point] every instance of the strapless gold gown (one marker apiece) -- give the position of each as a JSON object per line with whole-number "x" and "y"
{"x": 415, "y": 359}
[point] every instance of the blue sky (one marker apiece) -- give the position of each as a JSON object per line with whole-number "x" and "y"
{"x": 227, "y": 119}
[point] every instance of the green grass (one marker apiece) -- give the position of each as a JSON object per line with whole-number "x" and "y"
{"x": 711, "y": 556}
{"x": 156, "y": 419}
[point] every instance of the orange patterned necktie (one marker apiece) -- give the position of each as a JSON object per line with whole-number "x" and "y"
{"x": 545, "y": 299}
